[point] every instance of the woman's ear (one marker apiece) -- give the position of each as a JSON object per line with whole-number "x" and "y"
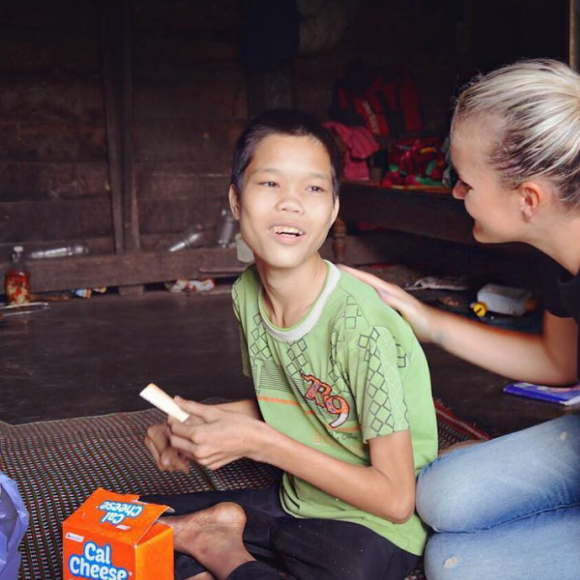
{"x": 532, "y": 197}
{"x": 234, "y": 202}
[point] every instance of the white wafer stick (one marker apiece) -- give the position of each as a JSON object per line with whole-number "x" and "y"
{"x": 160, "y": 399}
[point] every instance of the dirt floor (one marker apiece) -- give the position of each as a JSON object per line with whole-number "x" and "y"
{"x": 92, "y": 357}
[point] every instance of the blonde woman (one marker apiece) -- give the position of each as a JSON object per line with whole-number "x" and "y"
{"x": 510, "y": 508}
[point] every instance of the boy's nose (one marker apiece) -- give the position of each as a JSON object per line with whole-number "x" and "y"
{"x": 290, "y": 202}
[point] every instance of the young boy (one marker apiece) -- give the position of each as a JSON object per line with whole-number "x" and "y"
{"x": 343, "y": 402}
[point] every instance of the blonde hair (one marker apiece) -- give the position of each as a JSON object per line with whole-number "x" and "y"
{"x": 536, "y": 106}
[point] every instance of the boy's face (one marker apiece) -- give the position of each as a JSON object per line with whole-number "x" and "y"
{"x": 286, "y": 207}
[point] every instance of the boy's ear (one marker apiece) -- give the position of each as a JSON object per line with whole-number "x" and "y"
{"x": 335, "y": 210}
{"x": 234, "y": 202}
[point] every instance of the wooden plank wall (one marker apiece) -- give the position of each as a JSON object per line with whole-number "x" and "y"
{"x": 189, "y": 104}
{"x": 53, "y": 172}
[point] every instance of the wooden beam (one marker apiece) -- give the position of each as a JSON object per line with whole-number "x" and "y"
{"x": 510, "y": 264}
{"x": 128, "y": 269}
{"x": 513, "y": 264}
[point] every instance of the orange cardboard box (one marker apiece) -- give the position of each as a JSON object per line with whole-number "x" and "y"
{"x": 116, "y": 537}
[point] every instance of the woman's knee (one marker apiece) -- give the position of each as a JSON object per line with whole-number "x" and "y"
{"x": 442, "y": 562}
{"x": 531, "y": 548}
{"x": 465, "y": 492}
{"x": 447, "y": 492}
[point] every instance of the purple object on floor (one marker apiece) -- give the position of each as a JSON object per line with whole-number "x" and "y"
{"x": 13, "y": 525}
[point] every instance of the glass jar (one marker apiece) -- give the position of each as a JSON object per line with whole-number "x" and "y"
{"x": 17, "y": 279}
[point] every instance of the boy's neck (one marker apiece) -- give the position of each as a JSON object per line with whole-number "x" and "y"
{"x": 289, "y": 293}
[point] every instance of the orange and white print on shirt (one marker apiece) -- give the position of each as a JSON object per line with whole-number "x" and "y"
{"x": 321, "y": 394}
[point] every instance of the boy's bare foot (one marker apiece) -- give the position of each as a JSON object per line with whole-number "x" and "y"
{"x": 202, "y": 576}
{"x": 213, "y": 537}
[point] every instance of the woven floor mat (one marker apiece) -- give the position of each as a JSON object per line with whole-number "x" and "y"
{"x": 58, "y": 464}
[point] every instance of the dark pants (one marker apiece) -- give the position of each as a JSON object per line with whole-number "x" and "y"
{"x": 306, "y": 549}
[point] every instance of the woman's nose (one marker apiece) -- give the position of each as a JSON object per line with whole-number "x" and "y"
{"x": 459, "y": 191}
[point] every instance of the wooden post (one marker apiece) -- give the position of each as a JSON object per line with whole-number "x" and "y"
{"x": 117, "y": 82}
{"x": 270, "y": 89}
{"x": 130, "y": 210}
{"x": 113, "y": 114}
{"x": 573, "y": 29}
{"x": 339, "y": 240}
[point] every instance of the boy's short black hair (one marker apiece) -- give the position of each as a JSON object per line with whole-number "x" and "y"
{"x": 290, "y": 122}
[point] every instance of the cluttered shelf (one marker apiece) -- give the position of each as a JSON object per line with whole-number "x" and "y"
{"x": 425, "y": 228}
{"x": 425, "y": 211}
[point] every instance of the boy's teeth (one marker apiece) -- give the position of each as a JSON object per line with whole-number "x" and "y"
{"x": 286, "y": 230}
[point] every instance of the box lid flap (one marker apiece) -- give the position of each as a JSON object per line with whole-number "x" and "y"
{"x": 117, "y": 516}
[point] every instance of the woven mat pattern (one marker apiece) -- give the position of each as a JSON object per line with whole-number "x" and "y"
{"x": 58, "y": 464}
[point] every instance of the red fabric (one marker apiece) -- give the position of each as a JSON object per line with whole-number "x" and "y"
{"x": 382, "y": 126}
{"x": 381, "y": 101}
{"x": 342, "y": 98}
{"x": 410, "y": 104}
{"x": 390, "y": 93}
{"x": 415, "y": 158}
{"x": 360, "y": 145}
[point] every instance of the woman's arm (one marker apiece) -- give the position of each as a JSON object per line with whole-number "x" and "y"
{"x": 549, "y": 357}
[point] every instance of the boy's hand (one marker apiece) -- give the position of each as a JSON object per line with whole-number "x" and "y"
{"x": 214, "y": 437}
{"x": 159, "y": 445}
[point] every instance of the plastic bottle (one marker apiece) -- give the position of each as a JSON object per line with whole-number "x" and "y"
{"x": 60, "y": 252}
{"x": 17, "y": 279}
{"x": 243, "y": 251}
{"x": 192, "y": 237}
{"x": 226, "y": 228}
{"x": 503, "y": 300}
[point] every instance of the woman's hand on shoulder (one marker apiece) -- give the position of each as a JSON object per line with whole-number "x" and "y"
{"x": 418, "y": 315}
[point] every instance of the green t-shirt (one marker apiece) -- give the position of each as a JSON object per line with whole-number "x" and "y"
{"x": 349, "y": 371}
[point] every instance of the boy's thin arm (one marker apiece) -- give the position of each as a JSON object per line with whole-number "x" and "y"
{"x": 386, "y": 488}
{"x": 247, "y": 407}
{"x": 215, "y": 437}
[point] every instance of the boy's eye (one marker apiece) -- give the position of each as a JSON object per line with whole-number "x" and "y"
{"x": 316, "y": 189}
{"x": 269, "y": 183}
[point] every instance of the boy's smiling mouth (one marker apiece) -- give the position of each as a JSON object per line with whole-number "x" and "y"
{"x": 287, "y": 232}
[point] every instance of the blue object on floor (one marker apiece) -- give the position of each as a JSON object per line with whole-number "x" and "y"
{"x": 13, "y": 525}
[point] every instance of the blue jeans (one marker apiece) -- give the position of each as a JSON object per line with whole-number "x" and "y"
{"x": 506, "y": 509}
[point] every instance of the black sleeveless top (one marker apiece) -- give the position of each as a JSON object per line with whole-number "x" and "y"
{"x": 562, "y": 295}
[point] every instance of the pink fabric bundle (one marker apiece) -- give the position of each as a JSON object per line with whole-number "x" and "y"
{"x": 360, "y": 145}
